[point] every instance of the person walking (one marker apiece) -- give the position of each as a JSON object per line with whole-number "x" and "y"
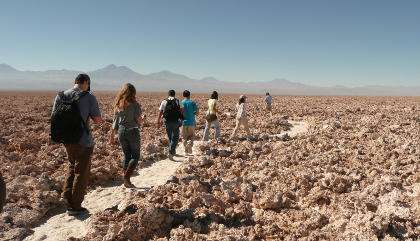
{"x": 268, "y": 101}
{"x": 127, "y": 120}
{"x": 189, "y": 111}
{"x": 70, "y": 116}
{"x": 170, "y": 110}
{"x": 241, "y": 117}
{"x": 211, "y": 117}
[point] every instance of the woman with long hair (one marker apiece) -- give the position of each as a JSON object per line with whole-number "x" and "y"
{"x": 127, "y": 120}
{"x": 211, "y": 117}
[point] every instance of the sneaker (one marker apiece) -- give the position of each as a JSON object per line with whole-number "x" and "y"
{"x": 128, "y": 184}
{"x": 77, "y": 211}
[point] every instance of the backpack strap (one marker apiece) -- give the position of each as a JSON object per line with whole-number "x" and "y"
{"x": 76, "y": 100}
{"x": 61, "y": 94}
{"x": 80, "y": 95}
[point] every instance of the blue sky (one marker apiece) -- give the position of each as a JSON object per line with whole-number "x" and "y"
{"x": 334, "y": 42}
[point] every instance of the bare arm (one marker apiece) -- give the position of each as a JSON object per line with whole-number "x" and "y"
{"x": 114, "y": 130}
{"x": 196, "y": 110}
{"x": 112, "y": 135}
{"x": 141, "y": 118}
{"x": 159, "y": 121}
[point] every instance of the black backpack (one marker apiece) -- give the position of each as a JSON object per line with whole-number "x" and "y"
{"x": 172, "y": 111}
{"x": 67, "y": 124}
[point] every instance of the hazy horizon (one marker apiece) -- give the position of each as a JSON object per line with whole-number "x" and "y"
{"x": 322, "y": 43}
{"x": 111, "y": 77}
{"x": 188, "y": 76}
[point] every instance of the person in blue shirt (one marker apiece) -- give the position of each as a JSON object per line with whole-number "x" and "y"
{"x": 189, "y": 110}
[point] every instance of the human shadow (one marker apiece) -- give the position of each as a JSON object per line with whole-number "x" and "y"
{"x": 81, "y": 216}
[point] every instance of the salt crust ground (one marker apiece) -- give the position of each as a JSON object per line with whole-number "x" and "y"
{"x": 63, "y": 226}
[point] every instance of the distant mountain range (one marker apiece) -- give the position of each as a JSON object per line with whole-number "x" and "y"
{"x": 112, "y": 77}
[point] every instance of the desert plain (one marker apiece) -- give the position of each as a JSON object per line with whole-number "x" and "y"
{"x": 352, "y": 174}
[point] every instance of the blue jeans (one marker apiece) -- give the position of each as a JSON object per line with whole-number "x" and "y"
{"x": 130, "y": 144}
{"x": 172, "y": 130}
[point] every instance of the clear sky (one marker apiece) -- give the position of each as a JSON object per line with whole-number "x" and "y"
{"x": 320, "y": 42}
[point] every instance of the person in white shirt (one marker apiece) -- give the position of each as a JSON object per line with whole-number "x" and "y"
{"x": 170, "y": 110}
{"x": 268, "y": 101}
{"x": 241, "y": 117}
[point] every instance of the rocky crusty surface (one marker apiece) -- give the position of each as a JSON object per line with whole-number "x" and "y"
{"x": 353, "y": 176}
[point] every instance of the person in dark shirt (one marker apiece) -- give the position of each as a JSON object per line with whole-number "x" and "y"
{"x": 80, "y": 154}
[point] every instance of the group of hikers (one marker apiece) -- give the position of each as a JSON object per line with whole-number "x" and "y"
{"x": 74, "y": 107}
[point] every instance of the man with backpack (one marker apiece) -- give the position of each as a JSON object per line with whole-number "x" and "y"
{"x": 170, "y": 110}
{"x": 70, "y": 125}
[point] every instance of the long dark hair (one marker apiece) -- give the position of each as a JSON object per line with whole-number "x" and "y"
{"x": 241, "y": 100}
{"x": 214, "y": 95}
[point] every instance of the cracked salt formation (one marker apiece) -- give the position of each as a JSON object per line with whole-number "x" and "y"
{"x": 353, "y": 175}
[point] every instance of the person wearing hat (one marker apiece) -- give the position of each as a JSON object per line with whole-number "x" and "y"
{"x": 241, "y": 117}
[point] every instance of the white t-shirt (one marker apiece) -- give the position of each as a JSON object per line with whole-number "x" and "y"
{"x": 241, "y": 111}
{"x": 268, "y": 99}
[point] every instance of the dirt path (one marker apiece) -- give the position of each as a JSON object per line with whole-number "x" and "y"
{"x": 63, "y": 226}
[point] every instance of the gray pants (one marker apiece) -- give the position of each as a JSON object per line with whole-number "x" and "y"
{"x": 130, "y": 144}
{"x": 216, "y": 125}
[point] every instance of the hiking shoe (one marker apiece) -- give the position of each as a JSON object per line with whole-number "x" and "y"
{"x": 64, "y": 201}
{"x": 77, "y": 211}
{"x": 128, "y": 184}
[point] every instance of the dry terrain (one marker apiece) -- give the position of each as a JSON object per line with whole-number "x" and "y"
{"x": 351, "y": 174}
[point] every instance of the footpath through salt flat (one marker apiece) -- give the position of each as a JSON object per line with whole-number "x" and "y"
{"x": 63, "y": 226}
